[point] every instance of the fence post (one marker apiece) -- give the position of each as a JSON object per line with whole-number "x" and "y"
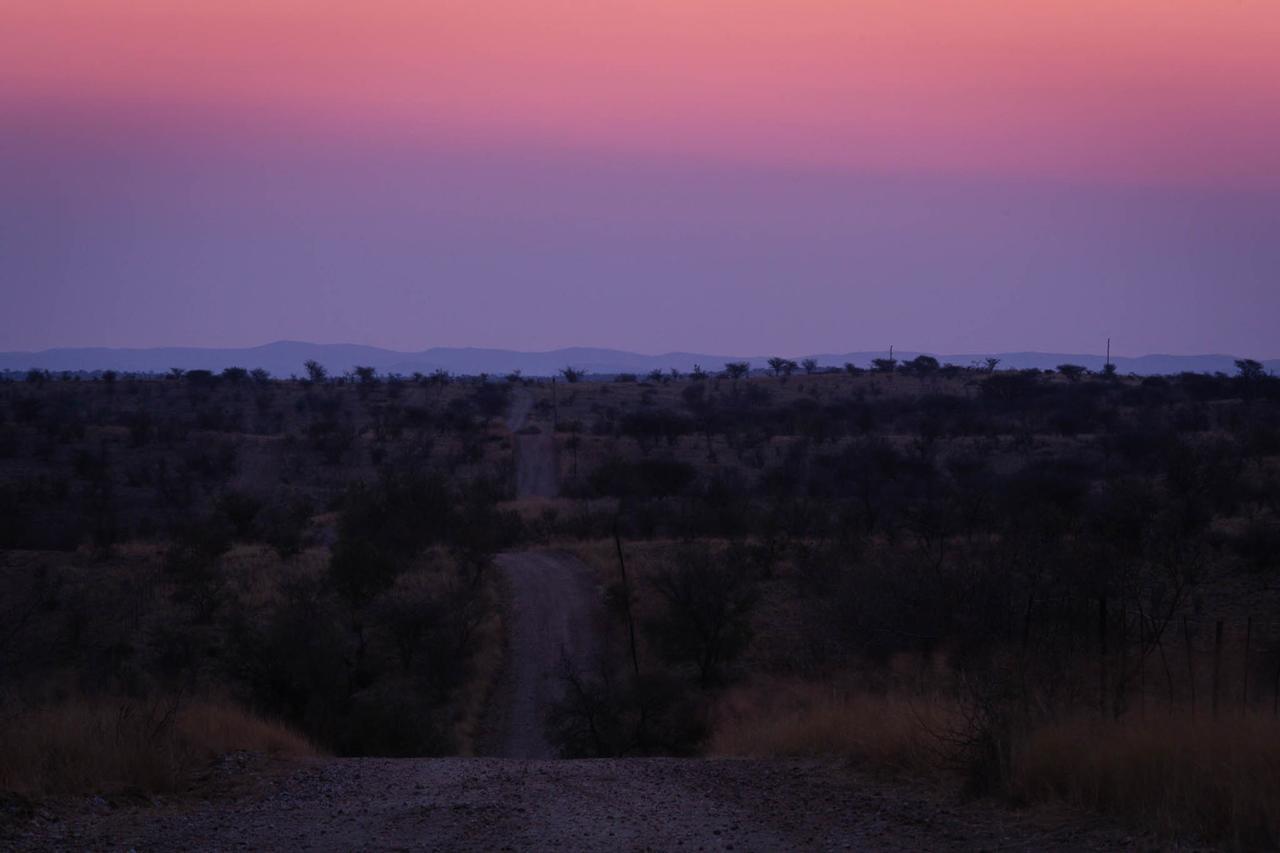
{"x": 1142, "y": 665}
{"x": 1217, "y": 664}
{"x": 1275, "y": 694}
{"x": 626, "y": 598}
{"x": 1102, "y": 654}
{"x": 1191, "y": 669}
{"x": 1244, "y": 690}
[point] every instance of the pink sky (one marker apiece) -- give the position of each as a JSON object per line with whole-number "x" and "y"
{"x": 1153, "y": 90}
{"x": 202, "y": 115}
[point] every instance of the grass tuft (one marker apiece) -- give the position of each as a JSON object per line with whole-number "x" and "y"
{"x": 1217, "y": 779}
{"x": 85, "y": 746}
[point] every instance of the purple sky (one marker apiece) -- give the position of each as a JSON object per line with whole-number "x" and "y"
{"x": 784, "y": 176}
{"x": 125, "y": 233}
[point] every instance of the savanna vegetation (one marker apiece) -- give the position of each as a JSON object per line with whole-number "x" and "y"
{"x": 1050, "y": 585}
{"x": 1053, "y": 585}
{"x": 309, "y": 556}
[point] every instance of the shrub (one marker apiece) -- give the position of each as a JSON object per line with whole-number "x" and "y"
{"x": 706, "y": 615}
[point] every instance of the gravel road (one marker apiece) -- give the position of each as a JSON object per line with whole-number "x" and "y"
{"x": 534, "y": 453}
{"x": 613, "y": 805}
{"x": 552, "y": 617}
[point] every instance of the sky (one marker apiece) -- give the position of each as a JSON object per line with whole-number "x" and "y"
{"x": 783, "y": 176}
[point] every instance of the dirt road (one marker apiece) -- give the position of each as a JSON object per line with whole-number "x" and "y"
{"x": 553, "y": 616}
{"x": 534, "y": 453}
{"x": 613, "y": 805}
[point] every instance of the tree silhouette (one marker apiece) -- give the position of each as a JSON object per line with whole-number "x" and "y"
{"x": 922, "y": 365}
{"x": 1250, "y": 370}
{"x": 782, "y": 366}
{"x": 315, "y": 371}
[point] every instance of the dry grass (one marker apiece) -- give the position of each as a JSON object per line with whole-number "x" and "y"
{"x": 93, "y": 746}
{"x": 772, "y": 718}
{"x": 1172, "y": 772}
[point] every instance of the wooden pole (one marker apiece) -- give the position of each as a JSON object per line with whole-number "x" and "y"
{"x": 1191, "y": 670}
{"x": 1102, "y": 654}
{"x": 1217, "y": 664}
{"x": 1142, "y": 665}
{"x": 1121, "y": 704}
{"x": 1244, "y": 689}
{"x": 1275, "y": 694}
{"x": 626, "y": 600}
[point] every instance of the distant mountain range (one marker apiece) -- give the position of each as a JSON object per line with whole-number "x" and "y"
{"x": 286, "y": 358}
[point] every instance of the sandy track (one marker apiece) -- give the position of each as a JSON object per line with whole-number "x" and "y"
{"x": 614, "y": 805}
{"x": 535, "y": 461}
{"x": 534, "y": 454}
{"x": 553, "y": 616}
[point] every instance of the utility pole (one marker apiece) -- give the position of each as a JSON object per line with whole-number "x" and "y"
{"x": 1108, "y": 352}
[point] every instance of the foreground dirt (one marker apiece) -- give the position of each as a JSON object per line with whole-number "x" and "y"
{"x": 615, "y": 805}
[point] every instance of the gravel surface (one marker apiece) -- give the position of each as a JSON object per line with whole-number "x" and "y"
{"x": 535, "y": 461}
{"x": 534, "y": 454}
{"x": 614, "y": 805}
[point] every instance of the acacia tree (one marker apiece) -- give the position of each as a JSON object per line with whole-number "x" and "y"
{"x": 782, "y": 366}
{"x": 922, "y": 365}
{"x": 810, "y": 366}
{"x": 316, "y": 372}
{"x": 571, "y": 374}
{"x": 1250, "y": 370}
{"x": 1073, "y": 372}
